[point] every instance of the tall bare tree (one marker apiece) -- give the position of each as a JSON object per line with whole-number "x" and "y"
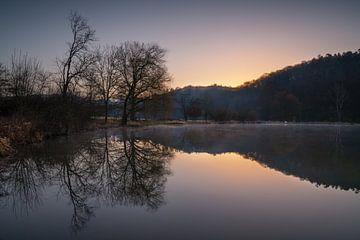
{"x": 143, "y": 73}
{"x": 104, "y": 77}
{"x": 77, "y": 59}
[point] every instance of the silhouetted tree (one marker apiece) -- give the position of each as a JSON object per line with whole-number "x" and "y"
{"x": 143, "y": 73}
{"x": 78, "y": 58}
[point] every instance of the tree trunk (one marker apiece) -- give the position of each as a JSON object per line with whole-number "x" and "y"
{"x": 339, "y": 113}
{"x": 185, "y": 116}
{"x": 124, "y": 115}
{"x": 132, "y": 109}
{"x": 132, "y": 115}
{"x": 106, "y": 110}
{"x": 64, "y": 91}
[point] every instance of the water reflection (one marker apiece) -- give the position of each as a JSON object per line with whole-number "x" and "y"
{"x": 90, "y": 170}
{"x": 324, "y": 155}
{"x": 21, "y": 182}
{"x": 131, "y": 167}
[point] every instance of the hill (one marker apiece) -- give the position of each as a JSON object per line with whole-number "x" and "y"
{"x": 325, "y": 88}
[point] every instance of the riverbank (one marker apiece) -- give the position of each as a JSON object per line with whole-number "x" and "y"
{"x": 15, "y": 133}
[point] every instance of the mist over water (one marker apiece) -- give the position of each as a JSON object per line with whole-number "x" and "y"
{"x": 212, "y": 181}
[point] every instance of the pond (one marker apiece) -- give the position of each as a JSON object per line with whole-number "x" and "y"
{"x": 230, "y": 181}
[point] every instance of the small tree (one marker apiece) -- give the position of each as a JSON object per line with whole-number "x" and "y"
{"x": 77, "y": 60}
{"x": 26, "y": 76}
{"x": 143, "y": 74}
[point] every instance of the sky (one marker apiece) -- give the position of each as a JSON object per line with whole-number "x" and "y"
{"x": 208, "y": 42}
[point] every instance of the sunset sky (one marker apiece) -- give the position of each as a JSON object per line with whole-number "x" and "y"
{"x": 222, "y": 42}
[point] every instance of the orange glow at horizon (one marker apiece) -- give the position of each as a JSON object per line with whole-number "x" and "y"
{"x": 233, "y": 70}
{"x": 223, "y": 169}
{"x": 209, "y": 42}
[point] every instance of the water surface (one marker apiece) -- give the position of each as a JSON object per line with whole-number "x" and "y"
{"x": 186, "y": 182}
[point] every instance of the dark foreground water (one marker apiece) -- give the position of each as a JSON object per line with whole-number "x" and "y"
{"x": 186, "y": 182}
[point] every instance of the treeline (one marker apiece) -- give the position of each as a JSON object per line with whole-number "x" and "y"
{"x": 325, "y": 88}
{"x": 87, "y": 80}
{"x": 215, "y": 103}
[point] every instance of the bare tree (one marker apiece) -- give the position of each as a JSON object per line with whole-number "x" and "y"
{"x": 26, "y": 76}
{"x": 104, "y": 77}
{"x": 143, "y": 73}
{"x": 77, "y": 59}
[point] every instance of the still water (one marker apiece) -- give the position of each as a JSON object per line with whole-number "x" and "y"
{"x": 186, "y": 182}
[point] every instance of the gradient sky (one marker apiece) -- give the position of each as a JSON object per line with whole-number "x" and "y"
{"x": 222, "y": 42}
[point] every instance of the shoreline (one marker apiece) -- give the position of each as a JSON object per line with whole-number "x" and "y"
{"x": 8, "y": 147}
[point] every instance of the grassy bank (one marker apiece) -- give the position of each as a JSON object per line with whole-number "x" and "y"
{"x": 16, "y": 132}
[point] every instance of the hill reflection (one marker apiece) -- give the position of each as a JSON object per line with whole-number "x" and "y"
{"x": 323, "y": 155}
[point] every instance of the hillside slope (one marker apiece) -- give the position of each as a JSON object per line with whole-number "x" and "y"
{"x": 325, "y": 88}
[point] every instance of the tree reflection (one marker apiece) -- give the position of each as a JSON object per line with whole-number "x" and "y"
{"x": 75, "y": 183}
{"x": 130, "y": 171}
{"x": 111, "y": 169}
{"x": 21, "y": 183}
{"x": 323, "y": 155}
{"x": 130, "y": 168}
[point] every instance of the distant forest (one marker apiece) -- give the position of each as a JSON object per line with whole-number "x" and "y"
{"x": 325, "y": 88}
